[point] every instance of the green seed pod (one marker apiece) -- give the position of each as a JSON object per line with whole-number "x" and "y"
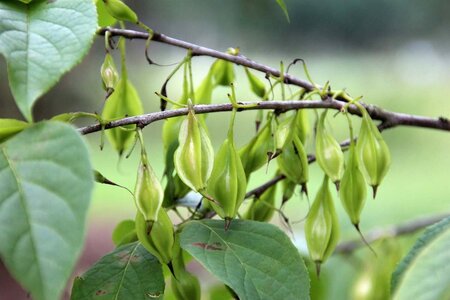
{"x": 194, "y": 157}
{"x": 293, "y": 163}
{"x": 108, "y": 71}
{"x": 227, "y": 184}
{"x": 285, "y": 132}
{"x": 10, "y": 127}
{"x": 120, "y": 11}
{"x": 254, "y": 155}
{"x": 373, "y": 153}
{"x": 288, "y": 190}
{"x": 328, "y": 152}
{"x": 203, "y": 94}
{"x": 123, "y": 102}
{"x": 353, "y": 188}
{"x": 159, "y": 241}
{"x": 303, "y": 129}
{"x": 263, "y": 208}
{"x": 322, "y": 226}
{"x": 148, "y": 193}
{"x": 186, "y": 287}
{"x": 223, "y": 72}
{"x": 124, "y": 233}
{"x": 256, "y": 85}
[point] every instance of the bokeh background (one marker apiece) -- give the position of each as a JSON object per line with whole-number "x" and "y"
{"x": 394, "y": 53}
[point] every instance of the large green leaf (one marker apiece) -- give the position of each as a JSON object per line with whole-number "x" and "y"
{"x": 129, "y": 272}
{"x": 257, "y": 260}
{"x": 41, "y": 41}
{"x": 425, "y": 272}
{"x": 45, "y": 188}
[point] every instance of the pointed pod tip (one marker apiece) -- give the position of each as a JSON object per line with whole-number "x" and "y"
{"x": 227, "y": 223}
{"x": 374, "y": 190}
{"x": 337, "y": 183}
{"x": 171, "y": 269}
{"x": 318, "y": 268}
{"x": 149, "y": 226}
{"x": 304, "y": 189}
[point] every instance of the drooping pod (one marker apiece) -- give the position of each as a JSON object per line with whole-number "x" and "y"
{"x": 285, "y": 132}
{"x": 293, "y": 163}
{"x": 303, "y": 129}
{"x": 328, "y": 152}
{"x": 124, "y": 102}
{"x": 373, "y": 153}
{"x": 322, "y": 226}
{"x": 148, "y": 193}
{"x": 160, "y": 240}
{"x": 223, "y": 71}
{"x": 227, "y": 184}
{"x": 255, "y": 154}
{"x": 120, "y": 11}
{"x": 353, "y": 188}
{"x": 288, "y": 190}
{"x": 194, "y": 157}
{"x": 109, "y": 74}
{"x": 256, "y": 85}
{"x": 262, "y": 208}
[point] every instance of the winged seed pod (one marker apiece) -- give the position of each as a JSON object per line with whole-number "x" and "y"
{"x": 293, "y": 163}
{"x": 328, "y": 152}
{"x": 256, "y": 85}
{"x": 123, "y": 102}
{"x": 288, "y": 190}
{"x": 263, "y": 208}
{"x": 148, "y": 193}
{"x": 185, "y": 286}
{"x": 254, "y": 155}
{"x": 303, "y": 129}
{"x": 373, "y": 153}
{"x": 285, "y": 132}
{"x": 109, "y": 74}
{"x": 160, "y": 240}
{"x": 322, "y": 226}
{"x": 120, "y": 11}
{"x": 227, "y": 183}
{"x": 353, "y": 188}
{"x": 223, "y": 72}
{"x": 194, "y": 157}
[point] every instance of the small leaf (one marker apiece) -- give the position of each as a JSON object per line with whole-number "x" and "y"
{"x": 45, "y": 188}
{"x": 129, "y": 272}
{"x": 41, "y": 41}
{"x": 424, "y": 272}
{"x": 257, "y": 260}
{"x": 284, "y": 8}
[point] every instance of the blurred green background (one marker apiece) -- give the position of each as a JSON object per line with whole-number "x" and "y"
{"x": 395, "y": 53}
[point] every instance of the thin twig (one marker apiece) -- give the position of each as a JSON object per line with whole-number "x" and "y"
{"x": 390, "y": 232}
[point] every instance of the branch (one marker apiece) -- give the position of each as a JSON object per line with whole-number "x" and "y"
{"x": 390, "y": 232}
{"x": 388, "y": 119}
{"x": 203, "y": 51}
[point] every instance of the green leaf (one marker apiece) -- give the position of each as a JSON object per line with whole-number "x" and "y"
{"x": 45, "y": 188}
{"x": 41, "y": 41}
{"x": 129, "y": 272}
{"x": 284, "y": 8}
{"x": 424, "y": 272}
{"x": 257, "y": 260}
